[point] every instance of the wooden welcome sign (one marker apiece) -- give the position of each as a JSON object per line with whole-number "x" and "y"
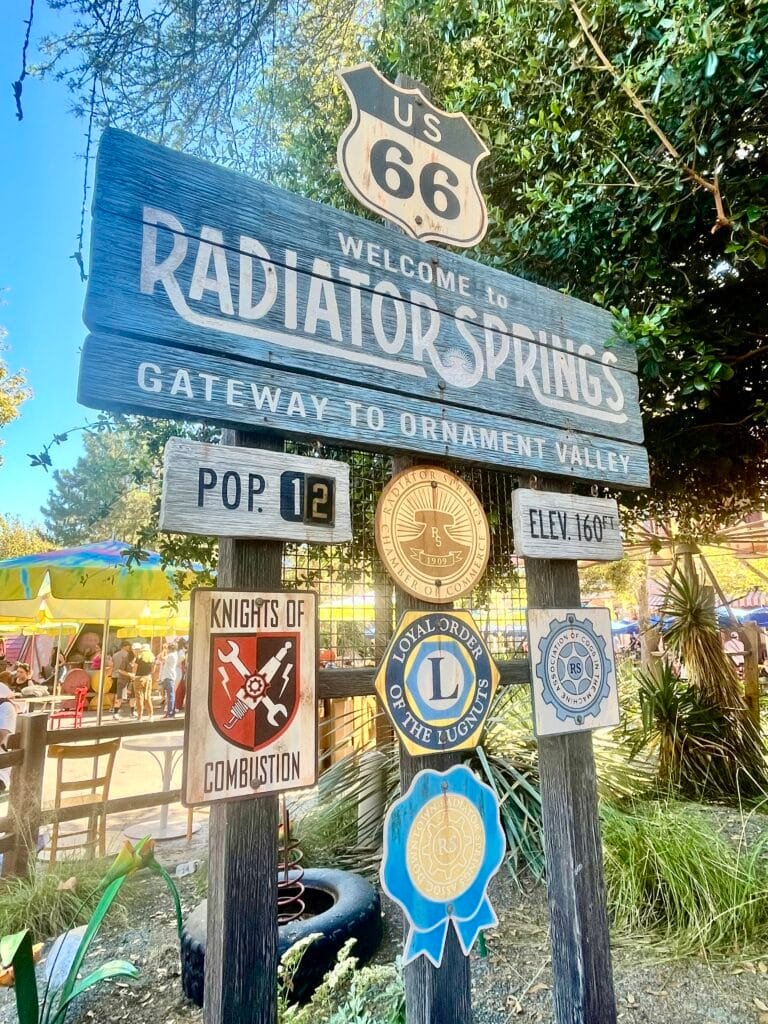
{"x": 216, "y": 297}
{"x": 213, "y": 297}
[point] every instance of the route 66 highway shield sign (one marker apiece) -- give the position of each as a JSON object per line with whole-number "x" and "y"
{"x": 411, "y": 163}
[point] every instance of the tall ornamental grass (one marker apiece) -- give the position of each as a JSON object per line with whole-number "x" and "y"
{"x": 668, "y": 871}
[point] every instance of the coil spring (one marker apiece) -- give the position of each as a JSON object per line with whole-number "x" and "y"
{"x": 290, "y": 883}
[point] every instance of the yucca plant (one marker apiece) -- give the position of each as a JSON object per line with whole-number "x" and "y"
{"x": 733, "y": 749}
{"x": 690, "y": 737}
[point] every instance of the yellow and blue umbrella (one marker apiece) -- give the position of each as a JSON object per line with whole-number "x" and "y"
{"x": 100, "y": 571}
{"x": 97, "y": 582}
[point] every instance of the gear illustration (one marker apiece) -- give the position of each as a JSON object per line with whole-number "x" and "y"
{"x": 573, "y": 669}
{"x": 256, "y": 685}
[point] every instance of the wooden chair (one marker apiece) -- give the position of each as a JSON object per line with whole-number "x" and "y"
{"x": 91, "y": 790}
{"x": 75, "y": 712}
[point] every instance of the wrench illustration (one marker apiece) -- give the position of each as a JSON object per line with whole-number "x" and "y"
{"x": 254, "y": 686}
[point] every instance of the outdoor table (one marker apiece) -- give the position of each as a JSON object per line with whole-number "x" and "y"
{"x": 171, "y": 748}
{"x": 50, "y": 698}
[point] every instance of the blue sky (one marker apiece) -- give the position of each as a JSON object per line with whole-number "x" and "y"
{"x": 41, "y": 180}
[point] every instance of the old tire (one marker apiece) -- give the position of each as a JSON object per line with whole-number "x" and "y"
{"x": 345, "y": 906}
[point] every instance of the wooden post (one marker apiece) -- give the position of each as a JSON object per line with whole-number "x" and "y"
{"x": 581, "y": 953}
{"x": 26, "y": 795}
{"x": 433, "y": 995}
{"x": 241, "y": 948}
{"x": 749, "y": 636}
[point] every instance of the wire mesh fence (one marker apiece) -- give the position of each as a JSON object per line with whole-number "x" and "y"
{"x": 356, "y": 595}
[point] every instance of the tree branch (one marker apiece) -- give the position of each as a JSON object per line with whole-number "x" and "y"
{"x": 18, "y": 85}
{"x": 722, "y": 220}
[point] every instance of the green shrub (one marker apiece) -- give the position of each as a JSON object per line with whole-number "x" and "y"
{"x": 669, "y": 871}
{"x": 372, "y": 995}
{"x": 40, "y": 904}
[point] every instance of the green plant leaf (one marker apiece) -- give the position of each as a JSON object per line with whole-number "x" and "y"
{"x": 9, "y": 945}
{"x": 16, "y": 951}
{"x": 711, "y": 65}
{"x": 158, "y": 869}
{"x": 102, "y": 908}
{"x": 110, "y": 969}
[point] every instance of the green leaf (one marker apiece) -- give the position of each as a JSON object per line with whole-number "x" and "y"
{"x": 158, "y": 869}
{"x": 110, "y": 969}
{"x": 16, "y": 952}
{"x": 711, "y": 65}
{"x": 106, "y": 901}
{"x": 9, "y": 945}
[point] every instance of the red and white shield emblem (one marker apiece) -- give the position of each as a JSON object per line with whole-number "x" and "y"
{"x": 410, "y": 162}
{"x": 253, "y": 689}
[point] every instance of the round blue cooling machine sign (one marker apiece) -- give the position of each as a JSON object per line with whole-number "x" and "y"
{"x": 574, "y": 669}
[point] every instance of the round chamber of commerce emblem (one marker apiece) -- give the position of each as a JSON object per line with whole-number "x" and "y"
{"x": 574, "y": 669}
{"x": 432, "y": 534}
{"x": 443, "y": 842}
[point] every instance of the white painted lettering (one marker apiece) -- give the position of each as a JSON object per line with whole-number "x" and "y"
{"x": 153, "y": 383}
{"x": 265, "y": 395}
{"x": 153, "y": 272}
{"x": 211, "y": 247}
{"x": 182, "y": 384}
{"x": 296, "y": 405}
{"x": 321, "y": 301}
{"x": 246, "y": 309}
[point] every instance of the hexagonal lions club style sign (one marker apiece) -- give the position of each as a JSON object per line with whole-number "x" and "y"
{"x": 437, "y": 681}
{"x": 573, "y": 674}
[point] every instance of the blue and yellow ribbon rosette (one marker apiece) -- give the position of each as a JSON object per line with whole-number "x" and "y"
{"x": 443, "y": 842}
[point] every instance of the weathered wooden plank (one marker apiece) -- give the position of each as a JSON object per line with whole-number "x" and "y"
{"x": 532, "y": 382}
{"x": 433, "y": 995}
{"x": 217, "y": 490}
{"x": 10, "y": 758}
{"x": 278, "y": 279}
{"x": 26, "y": 795}
{"x": 553, "y": 525}
{"x": 113, "y": 730}
{"x": 241, "y": 950}
{"x": 337, "y": 684}
{"x": 117, "y": 805}
{"x": 285, "y": 220}
{"x": 158, "y": 380}
{"x": 581, "y": 954}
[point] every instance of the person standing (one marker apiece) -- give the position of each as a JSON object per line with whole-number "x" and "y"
{"x": 181, "y": 689}
{"x": 169, "y": 676}
{"x": 121, "y": 674}
{"x": 734, "y": 648}
{"x": 142, "y": 684}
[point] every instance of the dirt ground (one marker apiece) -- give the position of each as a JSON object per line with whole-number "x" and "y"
{"x": 513, "y": 983}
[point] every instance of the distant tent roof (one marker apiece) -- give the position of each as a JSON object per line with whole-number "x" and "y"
{"x": 754, "y": 599}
